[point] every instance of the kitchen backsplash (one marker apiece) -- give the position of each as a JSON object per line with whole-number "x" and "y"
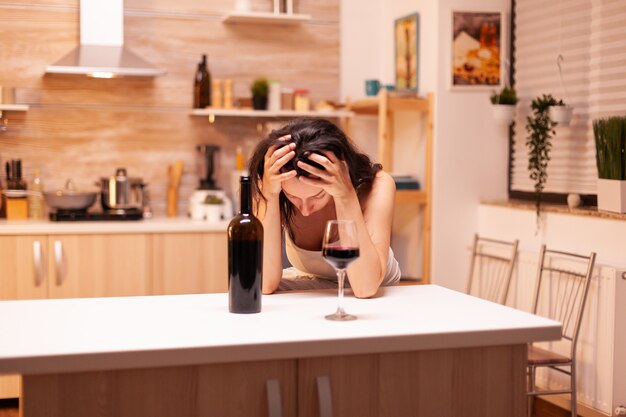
{"x": 85, "y": 128}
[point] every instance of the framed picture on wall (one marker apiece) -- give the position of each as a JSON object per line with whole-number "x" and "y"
{"x": 406, "y": 32}
{"x": 478, "y": 50}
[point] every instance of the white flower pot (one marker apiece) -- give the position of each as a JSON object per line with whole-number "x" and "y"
{"x": 612, "y": 195}
{"x": 561, "y": 114}
{"x": 503, "y": 114}
{"x": 213, "y": 212}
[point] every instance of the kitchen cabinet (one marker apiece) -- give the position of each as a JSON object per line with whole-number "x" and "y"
{"x": 23, "y": 267}
{"x": 190, "y": 263}
{"x": 341, "y": 385}
{"x": 22, "y": 277}
{"x": 385, "y": 106}
{"x": 99, "y": 265}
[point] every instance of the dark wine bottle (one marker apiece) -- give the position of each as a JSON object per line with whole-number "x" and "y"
{"x": 202, "y": 86}
{"x": 245, "y": 256}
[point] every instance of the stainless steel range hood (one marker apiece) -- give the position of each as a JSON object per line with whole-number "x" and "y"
{"x": 101, "y": 52}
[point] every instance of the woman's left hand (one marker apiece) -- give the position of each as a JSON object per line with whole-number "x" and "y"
{"x": 334, "y": 178}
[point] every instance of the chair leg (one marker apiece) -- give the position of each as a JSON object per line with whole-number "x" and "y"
{"x": 574, "y": 390}
{"x": 531, "y": 388}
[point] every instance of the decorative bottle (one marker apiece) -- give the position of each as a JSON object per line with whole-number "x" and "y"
{"x": 202, "y": 86}
{"x": 245, "y": 256}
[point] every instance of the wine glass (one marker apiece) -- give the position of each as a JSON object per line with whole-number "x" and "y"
{"x": 340, "y": 248}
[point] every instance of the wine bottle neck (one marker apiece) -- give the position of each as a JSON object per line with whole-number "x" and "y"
{"x": 246, "y": 197}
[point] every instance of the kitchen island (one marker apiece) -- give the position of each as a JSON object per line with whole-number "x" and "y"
{"x": 415, "y": 350}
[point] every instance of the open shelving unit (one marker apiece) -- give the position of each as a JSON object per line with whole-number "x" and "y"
{"x": 214, "y": 113}
{"x": 13, "y": 107}
{"x": 268, "y": 18}
{"x": 385, "y": 106}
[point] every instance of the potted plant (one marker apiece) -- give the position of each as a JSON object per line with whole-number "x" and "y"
{"x": 610, "y": 137}
{"x": 504, "y": 105}
{"x": 260, "y": 89}
{"x": 560, "y": 113}
{"x": 541, "y": 129}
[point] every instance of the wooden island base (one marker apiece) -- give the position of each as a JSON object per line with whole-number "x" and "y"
{"x": 470, "y": 382}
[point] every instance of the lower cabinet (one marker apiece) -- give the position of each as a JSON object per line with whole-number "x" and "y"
{"x": 483, "y": 381}
{"x": 338, "y": 386}
{"x": 190, "y": 263}
{"x": 111, "y": 265}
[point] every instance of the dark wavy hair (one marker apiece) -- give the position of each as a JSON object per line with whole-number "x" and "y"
{"x": 312, "y": 135}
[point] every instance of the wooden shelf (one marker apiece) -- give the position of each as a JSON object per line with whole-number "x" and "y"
{"x": 411, "y": 197}
{"x": 271, "y": 114}
{"x": 385, "y": 105}
{"x": 371, "y": 105}
{"x": 266, "y": 18}
{"x": 14, "y": 107}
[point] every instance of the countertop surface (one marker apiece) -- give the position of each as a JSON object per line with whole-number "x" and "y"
{"x": 154, "y": 225}
{"x": 73, "y": 335}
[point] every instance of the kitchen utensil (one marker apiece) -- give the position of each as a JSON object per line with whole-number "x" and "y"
{"x": 121, "y": 192}
{"x": 174, "y": 173}
{"x": 69, "y": 198}
{"x": 207, "y": 160}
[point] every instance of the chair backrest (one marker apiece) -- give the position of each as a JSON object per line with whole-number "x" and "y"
{"x": 491, "y": 268}
{"x": 561, "y": 289}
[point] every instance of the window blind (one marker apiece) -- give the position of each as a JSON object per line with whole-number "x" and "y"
{"x": 591, "y": 37}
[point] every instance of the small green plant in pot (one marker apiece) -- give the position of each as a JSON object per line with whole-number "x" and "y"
{"x": 260, "y": 90}
{"x": 610, "y": 138}
{"x": 541, "y": 130}
{"x": 504, "y": 105}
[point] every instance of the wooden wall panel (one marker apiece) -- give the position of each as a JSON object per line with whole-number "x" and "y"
{"x": 84, "y": 128}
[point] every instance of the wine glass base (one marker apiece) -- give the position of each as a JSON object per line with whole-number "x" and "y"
{"x": 340, "y": 317}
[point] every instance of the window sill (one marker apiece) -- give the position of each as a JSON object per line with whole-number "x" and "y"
{"x": 587, "y": 211}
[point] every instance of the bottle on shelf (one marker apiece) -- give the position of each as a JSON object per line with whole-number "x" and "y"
{"x": 202, "y": 85}
{"x": 35, "y": 197}
{"x": 245, "y": 256}
{"x": 228, "y": 93}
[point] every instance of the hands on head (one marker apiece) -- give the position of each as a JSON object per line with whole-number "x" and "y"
{"x": 322, "y": 169}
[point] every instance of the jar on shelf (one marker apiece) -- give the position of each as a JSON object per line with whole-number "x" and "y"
{"x": 216, "y": 89}
{"x": 286, "y": 98}
{"x": 301, "y": 100}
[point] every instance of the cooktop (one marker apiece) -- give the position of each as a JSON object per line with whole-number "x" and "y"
{"x": 83, "y": 215}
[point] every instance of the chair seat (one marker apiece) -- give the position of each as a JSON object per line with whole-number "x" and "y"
{"x": 538, "y": 356}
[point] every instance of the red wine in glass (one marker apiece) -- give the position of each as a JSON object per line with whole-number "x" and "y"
{"x": 340, "y": 256}
{"x": 340, "y": 248}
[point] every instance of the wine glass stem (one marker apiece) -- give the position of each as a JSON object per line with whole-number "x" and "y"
{"x": 341, "y": 275}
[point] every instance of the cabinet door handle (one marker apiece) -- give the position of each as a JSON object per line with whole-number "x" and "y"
{"x": 274, "y": 407}
{"x": 324, "y": 396}
{"x": 39, "y": 263}
{"x": 58, "y": 260}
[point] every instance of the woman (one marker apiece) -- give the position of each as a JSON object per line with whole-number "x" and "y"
{"x": 307, "y": 173}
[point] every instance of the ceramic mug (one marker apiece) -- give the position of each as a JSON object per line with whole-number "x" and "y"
{"x": 372, "y": 87}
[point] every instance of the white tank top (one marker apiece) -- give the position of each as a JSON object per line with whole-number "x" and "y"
{"x": 311, "y": 262}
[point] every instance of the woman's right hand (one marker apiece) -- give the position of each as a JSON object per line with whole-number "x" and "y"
{"x": 275, "y": 158}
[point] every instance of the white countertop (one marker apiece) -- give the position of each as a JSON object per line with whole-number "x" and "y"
{"x": 45, "y": 336}
{"x": 154, "y": 225}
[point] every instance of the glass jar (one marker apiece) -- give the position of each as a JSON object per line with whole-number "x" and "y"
{"x": 301, "y": 100}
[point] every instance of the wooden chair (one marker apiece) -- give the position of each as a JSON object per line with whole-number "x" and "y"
{"x": 491, "y": 268}
{"x": 560, "y": 294}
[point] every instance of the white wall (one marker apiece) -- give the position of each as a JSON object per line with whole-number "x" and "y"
{"x": 470, "y": 152}
{"x": 471, "y": 155}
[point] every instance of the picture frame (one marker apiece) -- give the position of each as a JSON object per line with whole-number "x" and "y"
{"x": 477, "y": 50}
{"x": 406, "y": 52}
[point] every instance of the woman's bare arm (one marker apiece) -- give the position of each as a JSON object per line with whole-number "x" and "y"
{"x": 268, "y": 211}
